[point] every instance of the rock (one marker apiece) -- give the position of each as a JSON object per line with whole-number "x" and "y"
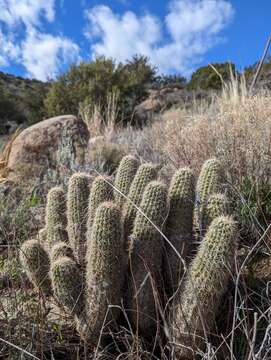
{"x": 57, "y": 144}
{"x": 163, "y": 99}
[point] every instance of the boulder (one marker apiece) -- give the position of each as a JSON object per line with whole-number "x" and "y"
{"x": 164, "y": 99}
{"x": 56, "y": 144}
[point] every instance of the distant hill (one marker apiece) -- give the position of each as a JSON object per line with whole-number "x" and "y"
{"x": 21, "y": 101}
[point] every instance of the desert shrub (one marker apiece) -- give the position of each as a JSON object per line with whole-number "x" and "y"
{"x": 264, "y": 76}
{"x": 92, "y": 82}
{"x": 206, "y": 78}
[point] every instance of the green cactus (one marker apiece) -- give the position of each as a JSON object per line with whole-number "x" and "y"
{"x": 43, "y": 236}
{"x": 179, "y": 226}
{"x": 77, "y": 208}
{"x": 210, "y": 182}
{"x": 145, "y": 174}
{"x": 89, "y": 268}
{"x": 205, "y": 284}
{"x": 61, "y": 249}
{"x": 36, "y": 263}
{"x": 55, "y": 214}
{"x": 146, "y": 257}
{"x": 217, "y": 205}
{"x": 67, "y": 284}
{"x": 124, "y": 177}
{"x": 101, "y": 191}
{"x": 104, "y": 270}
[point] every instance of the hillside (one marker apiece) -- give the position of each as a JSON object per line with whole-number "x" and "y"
{"x": 21, "y": 101}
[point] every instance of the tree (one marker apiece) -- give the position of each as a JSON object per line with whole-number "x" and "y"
{"x": 92, "y": 82}
{"x": 206, "y": 78}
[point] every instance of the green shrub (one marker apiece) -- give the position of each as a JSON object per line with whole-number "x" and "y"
{"x": 92, "y": 82}
{"x": 206, "y": 78}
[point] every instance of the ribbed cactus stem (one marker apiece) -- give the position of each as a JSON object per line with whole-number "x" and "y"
{"x": 146, "y": 258}
{"x": 179, "y": 227}
{"x": 59, "y": 250}
{"x": 55, "y": 214}
{"x": 67, "y": 284}
{"x": 206, "y": 283}
{"x": 145, "y": 174}
{"x": 104, "y": 270}
{"x": 217, "y": 205}
{"x": 124, "y": 177}
{"x": 77, "y": 209}
{"x": 101, "y": 191}
{"x": 210, "y": 182}
{"x": 35, "y": 261}
{"x": 42, "y": 236}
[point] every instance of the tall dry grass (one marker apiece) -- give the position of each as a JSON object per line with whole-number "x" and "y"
{"x": 235, "y": 127}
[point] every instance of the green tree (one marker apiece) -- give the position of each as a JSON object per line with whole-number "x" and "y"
{"x": 206, "y": 78}
{"x": 92, "y": 82}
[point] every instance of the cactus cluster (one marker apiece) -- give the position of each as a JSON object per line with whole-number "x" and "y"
{"x": 130, "y": 241}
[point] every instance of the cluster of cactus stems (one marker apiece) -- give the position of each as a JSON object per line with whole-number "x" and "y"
{"x": 128, "y": 241}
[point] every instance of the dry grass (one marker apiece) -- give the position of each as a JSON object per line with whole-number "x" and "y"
{"x": 234, "y": 127}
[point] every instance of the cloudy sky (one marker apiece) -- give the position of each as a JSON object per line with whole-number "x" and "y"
{"x": 41, "y": 38}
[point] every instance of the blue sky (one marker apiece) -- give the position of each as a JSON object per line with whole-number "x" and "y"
{"x": 41, "y": 38}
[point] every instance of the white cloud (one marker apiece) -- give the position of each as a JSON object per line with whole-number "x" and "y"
{"x": 27, "y": 12}
{"x": 43, "y": 55}
{"x": 8, "y": 50}
{"x": 122, "y": 36}
{"x": 176, "y": 43}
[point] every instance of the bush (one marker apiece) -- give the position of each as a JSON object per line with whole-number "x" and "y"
{"x": 93, "y": 82}
{"x": 206, "y": 78}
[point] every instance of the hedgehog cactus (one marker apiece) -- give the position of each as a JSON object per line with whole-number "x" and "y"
{"x": 101, "y": 191}
{"x": 217, "y": 205}
{"x": 179, "y": 227}
{"x": 210, "y": 182}
{"x": 146, "y": 257}
{"x": 77, "y": 207}
{"x": 124, "y": 177}
{"x": 35, "y": 261}
{"x": 145, "y": 174}
{"x": 206, "y": 282}
{"x": 55, "y": 214}
{"x": 83, "y": 250}
{"x": 104, "y": 271}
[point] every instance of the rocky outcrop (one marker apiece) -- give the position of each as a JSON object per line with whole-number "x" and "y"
{"x": 163, "y": 99}
{"x": 57, "y": 143}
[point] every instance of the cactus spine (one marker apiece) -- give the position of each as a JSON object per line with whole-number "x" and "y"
{"x": 179, "y": 225}
{"x": 77, "y": 208}
{"x": 124, "y": 177}
{"x": 36, "y": 263}
{"x": 205, "y": 284}
{"x": 146, "y": 257}
{"x": 104, "y": 270}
